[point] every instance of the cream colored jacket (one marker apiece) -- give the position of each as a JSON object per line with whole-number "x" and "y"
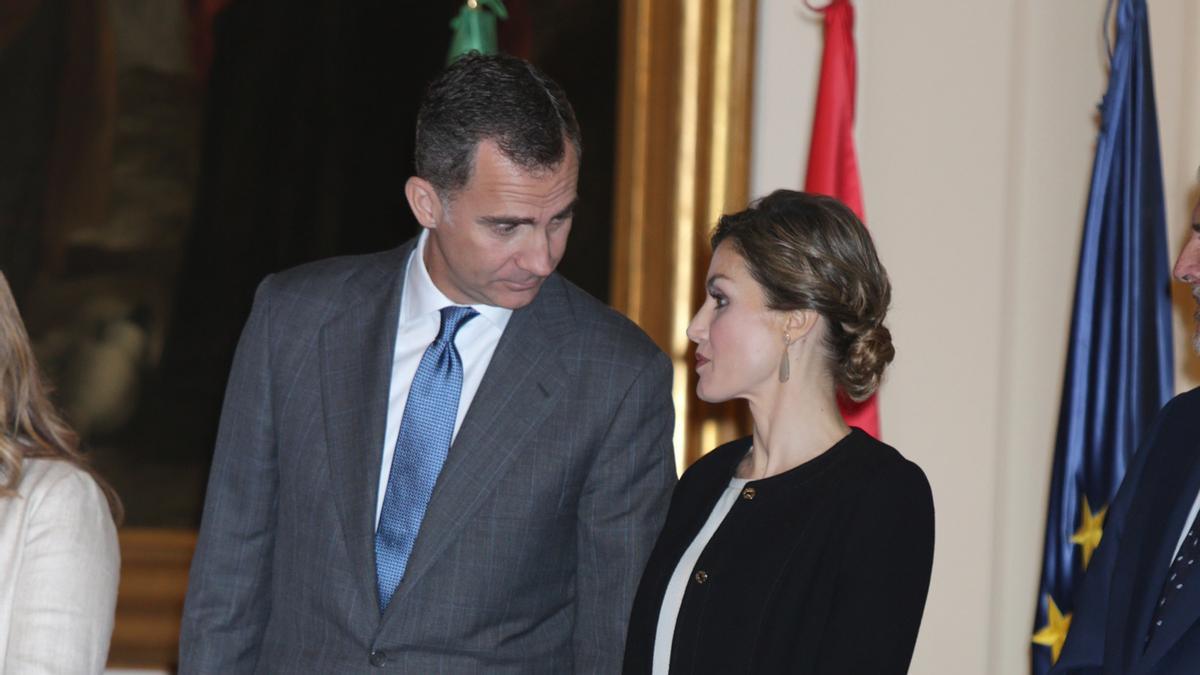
{"x": 59, "y": 567}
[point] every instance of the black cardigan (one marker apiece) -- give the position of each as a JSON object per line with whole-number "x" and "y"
{"x": 820, "y": 569}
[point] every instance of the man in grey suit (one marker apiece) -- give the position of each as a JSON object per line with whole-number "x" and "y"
{"x": 444, "y": 457}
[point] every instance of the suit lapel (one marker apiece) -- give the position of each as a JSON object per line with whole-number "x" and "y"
{"x": 1185, "y": 605}
{"x": 357, "y": 348}
{"x": 518, "y": 391}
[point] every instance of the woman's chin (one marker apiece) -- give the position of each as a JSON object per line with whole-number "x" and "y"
{"x": 708, "y": 397}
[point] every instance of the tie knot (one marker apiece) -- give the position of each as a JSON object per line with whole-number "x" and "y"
{"x": 453, "y": 318}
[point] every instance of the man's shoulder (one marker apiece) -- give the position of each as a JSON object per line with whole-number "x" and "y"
{"x": 334, "y": 276}
{"x": 1183, "y": 410}
{"x": 599, "y": 323}
{"x": 1188, "y": 399}
{"x": 1172, "y": 437}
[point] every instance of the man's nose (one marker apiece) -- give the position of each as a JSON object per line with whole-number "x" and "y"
{"x": 1187, "y": 267}
{"x": 538, "y": 257}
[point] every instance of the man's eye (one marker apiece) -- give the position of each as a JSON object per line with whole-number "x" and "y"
{"x": 504, "y": 228}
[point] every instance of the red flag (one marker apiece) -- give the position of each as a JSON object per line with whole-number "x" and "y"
{"x": 832, "y": 160}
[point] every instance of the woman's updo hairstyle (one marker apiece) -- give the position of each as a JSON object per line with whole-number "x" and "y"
{"x": 809, "y": 251}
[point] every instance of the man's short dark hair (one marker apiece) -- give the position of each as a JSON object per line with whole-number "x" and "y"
{"x": 495, "y": 97}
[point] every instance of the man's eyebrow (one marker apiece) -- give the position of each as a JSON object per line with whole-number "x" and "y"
{"x": 518, "y": 220}
{"x": 505, "y": 220}
{"x": 569, "y": 210}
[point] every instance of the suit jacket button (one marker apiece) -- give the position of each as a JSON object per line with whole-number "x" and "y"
{"x": 701, "y": 576}
{"x": 378, "y": 658}
{"x": 748, "y": 493}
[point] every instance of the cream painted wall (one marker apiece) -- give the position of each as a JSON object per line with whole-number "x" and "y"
{"x": 975, "y": 130}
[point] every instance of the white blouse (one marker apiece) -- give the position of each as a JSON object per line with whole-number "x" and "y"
{"x": 59, "y": 567}
{"x": 673, "y": 598}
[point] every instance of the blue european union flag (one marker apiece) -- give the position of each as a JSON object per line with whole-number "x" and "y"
{"x": 1119, "y": 362}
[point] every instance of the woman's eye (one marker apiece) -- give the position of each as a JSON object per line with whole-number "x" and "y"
{"x": 720, "y": 300}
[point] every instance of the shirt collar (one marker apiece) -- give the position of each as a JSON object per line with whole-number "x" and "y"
{"x": 422, "y": 297}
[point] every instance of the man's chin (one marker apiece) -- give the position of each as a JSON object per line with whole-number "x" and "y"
{"x": 510, "y": 299}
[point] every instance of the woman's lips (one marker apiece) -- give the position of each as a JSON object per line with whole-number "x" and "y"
{"x": 701, "y": 360}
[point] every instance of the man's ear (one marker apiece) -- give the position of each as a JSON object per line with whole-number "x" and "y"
{"x": 801, "y": 322}
{"x": 424, "y": 202}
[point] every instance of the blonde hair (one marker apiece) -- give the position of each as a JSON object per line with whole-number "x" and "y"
{"x": 31, "y": 425}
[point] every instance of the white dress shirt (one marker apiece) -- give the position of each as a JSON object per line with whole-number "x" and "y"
{"x": 1184, "y": 532}
{"x": 420, "y": 319}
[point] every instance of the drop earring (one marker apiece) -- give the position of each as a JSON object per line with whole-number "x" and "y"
{"x": 785, "y": 370}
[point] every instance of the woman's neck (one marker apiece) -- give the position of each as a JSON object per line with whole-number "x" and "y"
{"x": 794, "y": 423}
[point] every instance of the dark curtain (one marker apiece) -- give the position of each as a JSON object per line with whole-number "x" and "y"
{"x": 32, "y": 50}
{"x": 307, "y": 145}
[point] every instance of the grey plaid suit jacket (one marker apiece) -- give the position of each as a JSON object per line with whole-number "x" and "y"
{"x": 539, "y": 525}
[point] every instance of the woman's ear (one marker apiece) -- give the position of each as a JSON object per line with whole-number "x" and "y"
{"x": 800, "y": 323}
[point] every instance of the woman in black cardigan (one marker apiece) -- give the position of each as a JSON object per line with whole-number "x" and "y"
{"x": 806, "y": 547}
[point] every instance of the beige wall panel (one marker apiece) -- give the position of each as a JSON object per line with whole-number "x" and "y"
{"x": 933, "y": 130}
{"x": 1059, "y": 65}
{"x": 786, "y": 74}
{"x": 1174, "y": 27}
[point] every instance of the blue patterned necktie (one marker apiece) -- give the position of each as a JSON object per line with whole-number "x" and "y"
{"x": 421, "y": 447}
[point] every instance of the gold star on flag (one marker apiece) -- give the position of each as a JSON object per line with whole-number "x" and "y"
{"x": 1054, "y": 633}
{"x": 1091, "y": 527}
